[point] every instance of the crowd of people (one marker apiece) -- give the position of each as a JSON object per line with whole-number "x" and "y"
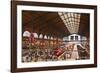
{"x": 60, "y": 51}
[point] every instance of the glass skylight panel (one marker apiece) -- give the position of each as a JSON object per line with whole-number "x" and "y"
{"x": 79, "y": 16}
{"x": 65, "y": 16}
{"x": 60, "y": 13}
{"x": 68, "y": 14}
{"x": 71, "y": 20}
{"x": 72, "y": 15}
{"x": 75, "y": 15}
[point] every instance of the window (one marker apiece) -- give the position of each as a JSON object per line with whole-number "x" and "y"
{"x": 72, "y": 37}
{"x": 76, "y": 37}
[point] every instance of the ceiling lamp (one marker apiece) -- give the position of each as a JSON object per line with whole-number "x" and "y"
{"x": 48, "y": 37}
{"x": 26, "y": 34}
{"x": 35, "y": 35}
{"x": 45, "y": 37}
{"x": 41, "y": 36}
{"x": 51, "y": 38}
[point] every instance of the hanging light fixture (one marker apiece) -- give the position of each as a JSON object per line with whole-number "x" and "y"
{"x": 35, "y": 35}
{"x": 51, "y": 38}
{"x": 48, "y": 37}
{"x": 45, "y": 37}
{"x": 41, "y": 36}
{"x": 26, "y": 34}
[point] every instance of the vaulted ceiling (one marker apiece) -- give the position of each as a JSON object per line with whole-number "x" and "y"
{"x": 50, "y": 23}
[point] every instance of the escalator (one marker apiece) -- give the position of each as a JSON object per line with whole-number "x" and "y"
{"x": 83, "y": 54}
